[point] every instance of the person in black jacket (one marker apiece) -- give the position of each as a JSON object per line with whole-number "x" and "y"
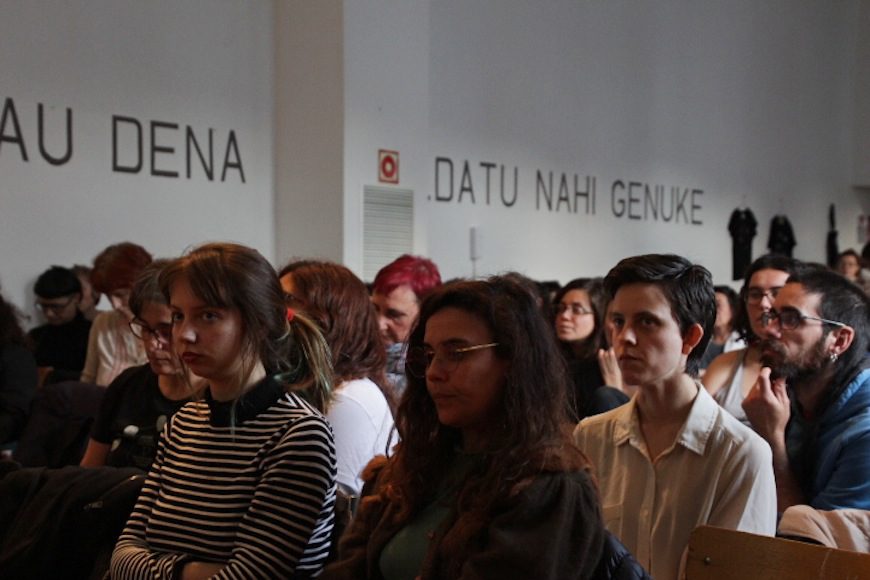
{"x": 17, "y": 374}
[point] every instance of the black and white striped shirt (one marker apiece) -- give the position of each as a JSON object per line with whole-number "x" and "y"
{"x": 255, "y": 491}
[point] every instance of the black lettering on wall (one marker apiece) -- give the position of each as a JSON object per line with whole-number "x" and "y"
{"x": 438, "y": 162}
{"x": 588, "y": 194}
{"x": 191, "y": 143}
{"x": 516, "y": 181}
{"x": 650, "y": 201}
{"x": 69, "y": 142}
{"x": 116, "y": 165}
{"x": 233, "y": 147}
{"x": 669, "y": 216}
{"x": 618, "y": 184}
{"x": 633, "y": 199}
{"x": 681, "y": 205}
{"x": 16, "y": 137}
{"x": 488, "y": 166}
{"x": 541, "y": 187}
{"x": 155, "y": 148}
{"x": 563, "y": 193}
{"x": 696, "y": 206}
{"x": 465, "y": 185}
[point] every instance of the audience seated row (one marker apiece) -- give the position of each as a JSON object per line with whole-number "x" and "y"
{"x": 479, "y": 482}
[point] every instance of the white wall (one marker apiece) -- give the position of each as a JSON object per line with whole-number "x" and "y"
{"x": 753, "y": 103}
{"x": 749, "y": 102}
{"x": 309, "y": 126}
{"x": 199, "y": 63}
{"x": 386, "y": 100}
{"x": 861, "y": 63}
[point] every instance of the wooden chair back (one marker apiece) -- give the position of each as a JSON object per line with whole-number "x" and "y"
{"x": 717, "y": 553}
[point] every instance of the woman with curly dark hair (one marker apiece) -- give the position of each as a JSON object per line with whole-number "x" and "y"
{"x": 17, "y": 374}
{"x": 578, "y": 319}
{"x": 485, "y": 482}
{"x": 360, "y": 412}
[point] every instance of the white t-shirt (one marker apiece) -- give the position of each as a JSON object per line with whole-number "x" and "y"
{"x": 362, "y": 422}
{"x": 718, "y": 472}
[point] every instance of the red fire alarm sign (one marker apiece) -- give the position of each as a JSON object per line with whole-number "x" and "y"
{"x": 388, "y": 166}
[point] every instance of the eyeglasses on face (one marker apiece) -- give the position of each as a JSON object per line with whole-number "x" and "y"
{"x": 54, "y": 307}
{"x": 791, "y": 319}
{"x": 756, "y": 295}
{"x": 420, "y": 358}
{"x": 163, "y": 332}
{"x": 575, "y": 308}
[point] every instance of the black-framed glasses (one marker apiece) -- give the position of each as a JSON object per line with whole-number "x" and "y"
{"x": 163, "y": 332}
{"x": 54, "y": 307}
{"x": 420, "y": 358}
{"x": 575, "y": 308}
{"x": 756, "y": 295}
{"x": 791, "y": 319}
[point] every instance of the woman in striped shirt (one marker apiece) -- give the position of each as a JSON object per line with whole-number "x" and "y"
{"x": 244, "y": 480}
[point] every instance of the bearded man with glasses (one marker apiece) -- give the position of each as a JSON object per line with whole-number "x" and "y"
{"x": 811, "y": 401}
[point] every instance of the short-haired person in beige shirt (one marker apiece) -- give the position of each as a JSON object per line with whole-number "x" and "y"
{"x": 671, "y": 459}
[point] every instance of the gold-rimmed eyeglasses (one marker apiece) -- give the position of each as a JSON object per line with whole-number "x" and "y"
{"x": 420, "y": 358}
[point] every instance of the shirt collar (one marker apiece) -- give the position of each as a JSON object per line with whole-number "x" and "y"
{"x": 699, "y": 424}
{"x": 259, "y": 398}
{"x": 695, "y": 431}
{"x": 626, "y": 424}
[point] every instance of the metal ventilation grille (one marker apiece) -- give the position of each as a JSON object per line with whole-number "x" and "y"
{"x": 388, "y": 227}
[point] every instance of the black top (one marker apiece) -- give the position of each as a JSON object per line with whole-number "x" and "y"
{"x": 132, "y": 415}
{"x": 17, "y": 387}
{"x": 590, "y": 395}
{"x": 781, "y": 239}
{"x": 63, "y": 347}
{"x": 742, "y": 227}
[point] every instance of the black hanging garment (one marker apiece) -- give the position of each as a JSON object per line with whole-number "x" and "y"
{"x": 781, "y": 239}
{"x": 742, "y": 227}
{"x": 832, "y": 247}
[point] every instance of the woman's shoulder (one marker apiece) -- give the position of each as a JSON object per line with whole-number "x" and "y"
{"x": 298, "y": 416}
{"x": 721, "y": 370}
{"x": 359, "y": 396}
{"x": 569, "y": 489}
{"x": 133, "y": 377}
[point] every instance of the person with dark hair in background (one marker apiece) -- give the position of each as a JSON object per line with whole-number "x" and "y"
{"x": 17, "y": 374}
{"x": 141, "y": 399}
{"x": 243, "y": 485}
{"x": 397, "y": 291}
{"x": 485, "y": 482}
{"x": 849, "y": 265}
{"x": 725, "y": 338}
{"x": 360, "y": 413}
{"x": 90, "y": 297}
{"x": 578, "y": 318}
{"x": 732, "y": 374}
{"x": 61, "y": 345}
{"x": 671, "y": 459}
{"x": 112, "y": 347}
{"x": 811, "y": 401}
{"x": 852, "y": 267}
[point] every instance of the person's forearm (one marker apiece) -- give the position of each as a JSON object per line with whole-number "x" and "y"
{"x": 788, "y": 491}
{"x": 200, "y": 570}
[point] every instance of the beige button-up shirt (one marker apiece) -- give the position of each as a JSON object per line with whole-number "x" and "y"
{"x": 718, "y": 472}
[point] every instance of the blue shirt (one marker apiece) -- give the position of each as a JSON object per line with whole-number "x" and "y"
{"x": 841, "y": 470}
